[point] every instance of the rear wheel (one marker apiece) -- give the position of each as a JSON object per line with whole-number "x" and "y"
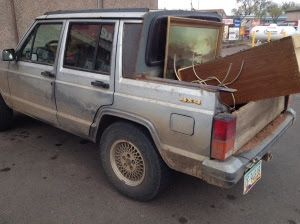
{"x": 6, "y": 115}
{"x": 131, "y": 161}
{"x": 127, "y": 162}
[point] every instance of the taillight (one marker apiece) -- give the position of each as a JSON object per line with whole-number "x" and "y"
{"x": 223, "y": 136}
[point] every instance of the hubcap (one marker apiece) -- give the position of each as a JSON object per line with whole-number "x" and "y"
{"x": 127, "y": 162}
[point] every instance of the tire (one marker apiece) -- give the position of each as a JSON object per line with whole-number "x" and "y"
{"x": 132, "y": 162}
{"x": 6, "y": 115}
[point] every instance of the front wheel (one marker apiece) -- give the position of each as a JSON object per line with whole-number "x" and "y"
{"x": 131, "y": 161}
{"x": 6, "y": 115}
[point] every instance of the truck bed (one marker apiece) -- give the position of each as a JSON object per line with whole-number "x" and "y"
{"x": 254, "y": 117}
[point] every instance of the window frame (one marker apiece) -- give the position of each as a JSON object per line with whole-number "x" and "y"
{"x": 34, "y": 29}
{"x": 91, "y": 22}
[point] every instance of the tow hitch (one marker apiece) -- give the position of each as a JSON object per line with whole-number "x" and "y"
{"x": 267, "y": 157}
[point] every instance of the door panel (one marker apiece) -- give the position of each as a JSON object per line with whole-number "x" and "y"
{"x": 85, "y": 77}
{"x": 32, "y": 92}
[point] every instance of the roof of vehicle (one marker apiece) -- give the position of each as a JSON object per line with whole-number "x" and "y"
{"x": 130, "y": 13}
{"x": 98, "y": 10}
{"x": 96, "y": 13}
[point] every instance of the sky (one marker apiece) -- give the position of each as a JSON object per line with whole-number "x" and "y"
{"x": 227, "y": 5}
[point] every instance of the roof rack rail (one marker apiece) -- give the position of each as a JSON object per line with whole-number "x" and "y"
{"x": 98, "y": 10}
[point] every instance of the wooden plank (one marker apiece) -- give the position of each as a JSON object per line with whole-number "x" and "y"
{"x": 269, "y": 70}
{"x": 254, "y": 116}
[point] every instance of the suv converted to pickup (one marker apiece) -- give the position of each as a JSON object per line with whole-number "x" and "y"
{"x": 98, "y": 74}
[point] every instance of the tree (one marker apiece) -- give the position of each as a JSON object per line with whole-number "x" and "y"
{"x": 245, "y": 8}
{"x": 261, "y": 8}
{"x": 275, "y": 11}
{"x": 290, "y": 5}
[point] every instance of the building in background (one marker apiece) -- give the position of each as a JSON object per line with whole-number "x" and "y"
{"x": 293, "y": 16}
{"x": 17, "y": 15}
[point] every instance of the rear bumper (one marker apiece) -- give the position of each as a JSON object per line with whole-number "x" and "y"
{"x": 230, "y": 171}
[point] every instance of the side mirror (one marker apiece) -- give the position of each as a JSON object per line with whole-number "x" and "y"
{"x": 8, "y": 55}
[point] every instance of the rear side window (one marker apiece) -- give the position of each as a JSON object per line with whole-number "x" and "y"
{"x": 131, "y": 40}
{"x": 89, "y": 47}
{"x": 41, "y": 44}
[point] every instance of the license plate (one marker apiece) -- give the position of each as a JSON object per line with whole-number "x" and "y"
{"x": 252, "y": 176}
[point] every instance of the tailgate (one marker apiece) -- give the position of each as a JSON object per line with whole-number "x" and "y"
{"x": 228, "y": 172}
{"x": 255, "y": 116}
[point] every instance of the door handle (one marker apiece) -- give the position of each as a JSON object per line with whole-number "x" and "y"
{"x": 100, "y": 84}
{"x": 48, "y": 74}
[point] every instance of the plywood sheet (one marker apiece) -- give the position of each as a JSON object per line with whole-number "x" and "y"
{"x": 269, "y": 70}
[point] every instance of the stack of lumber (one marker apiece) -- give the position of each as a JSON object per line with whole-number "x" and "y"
{"x": 270, "y": 70}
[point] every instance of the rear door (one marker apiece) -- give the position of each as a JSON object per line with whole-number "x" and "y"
{"x": 86, "y": 68}
{"x": 32, "y": 78}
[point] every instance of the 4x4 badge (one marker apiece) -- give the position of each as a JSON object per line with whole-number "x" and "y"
{"x": 186, "y": 100}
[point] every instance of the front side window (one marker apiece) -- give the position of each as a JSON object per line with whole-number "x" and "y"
{"x": 25, "y": 52}
{"x": 89, "y": 46}
{"x": 41, "y": 44}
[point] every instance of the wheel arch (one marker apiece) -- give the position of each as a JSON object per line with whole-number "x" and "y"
{"x": 109, "y": 116}
{"x": 6, "y": 98}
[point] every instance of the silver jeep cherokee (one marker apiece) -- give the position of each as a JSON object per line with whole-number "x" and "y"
{"x": 98, "y": 74}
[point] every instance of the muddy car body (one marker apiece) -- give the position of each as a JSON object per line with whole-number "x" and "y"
{"x": 118, "y": 97}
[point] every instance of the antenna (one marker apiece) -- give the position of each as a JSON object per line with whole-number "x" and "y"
{"x": 192, "y": 8}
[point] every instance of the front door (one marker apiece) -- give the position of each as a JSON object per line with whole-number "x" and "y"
{"x": 32, "y": 77}
{"x": 85, "y": 76}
